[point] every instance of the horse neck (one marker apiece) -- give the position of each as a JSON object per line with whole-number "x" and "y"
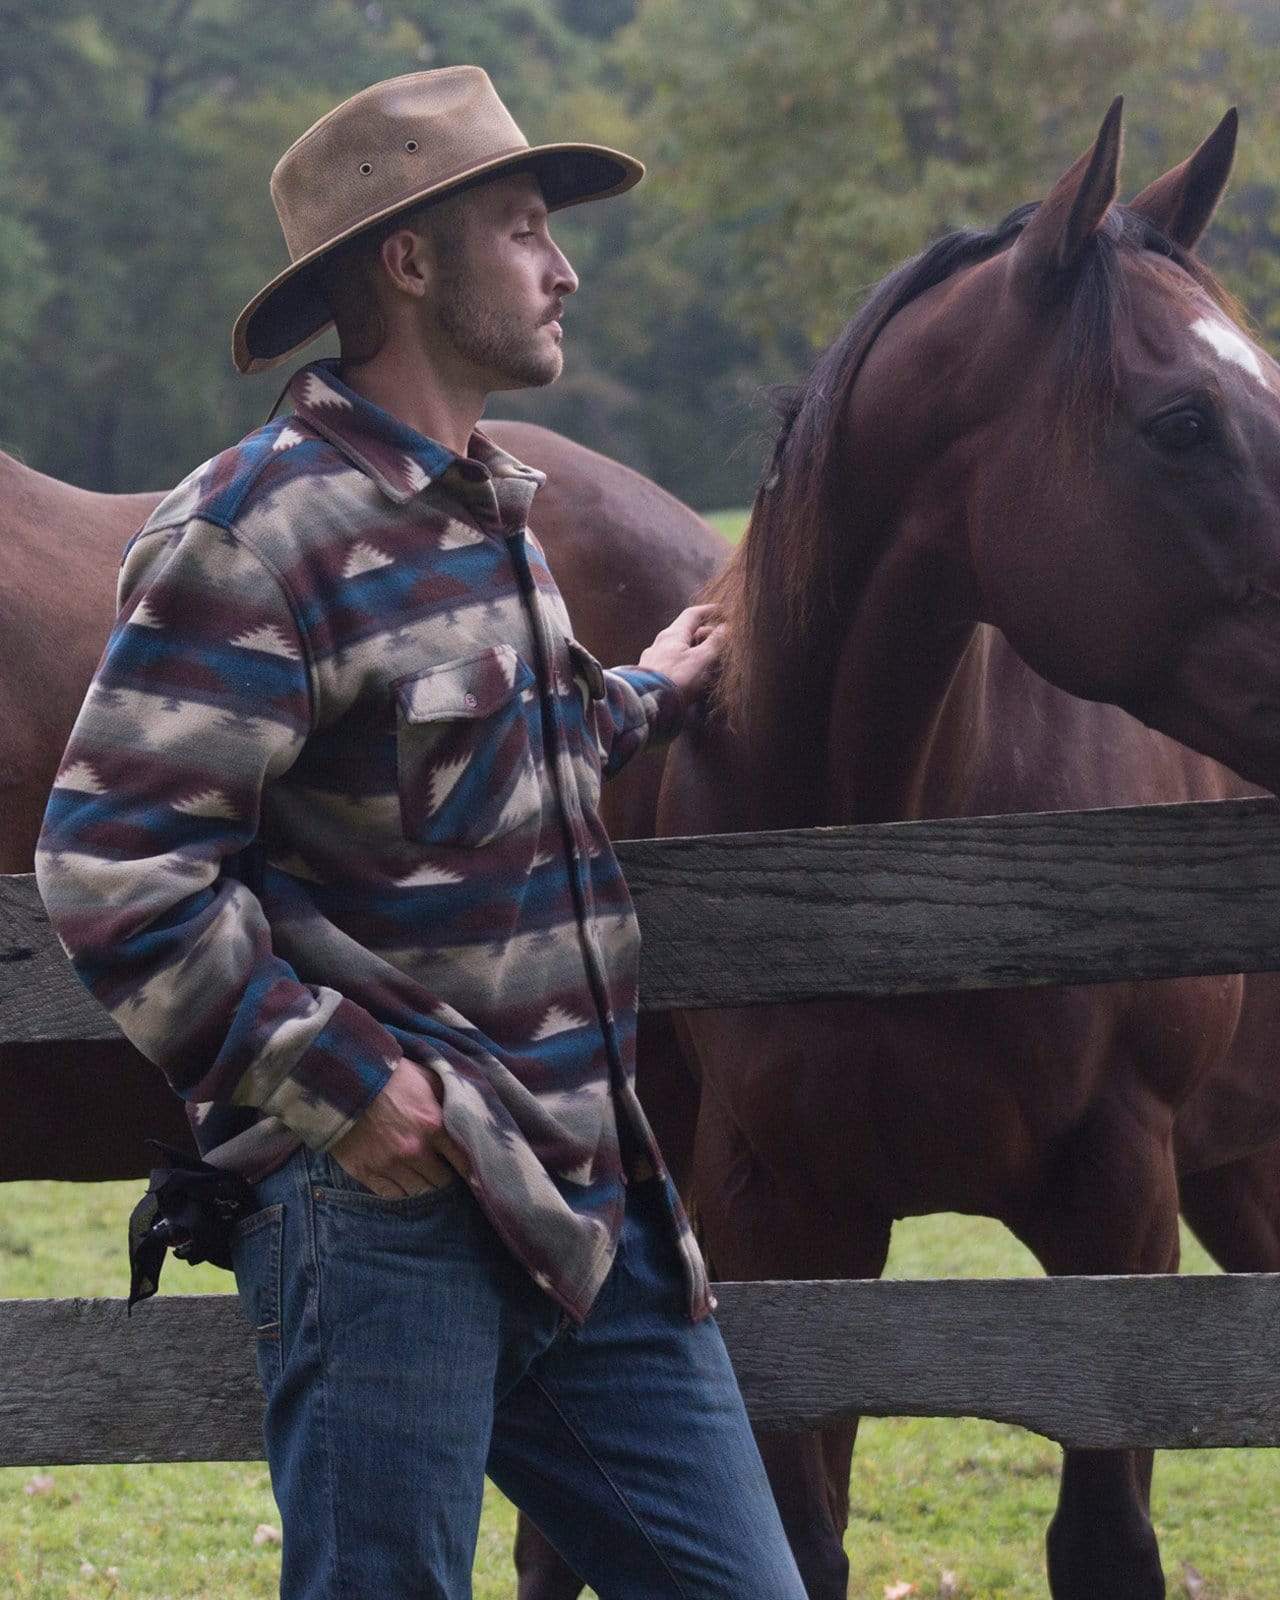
{"x": 834, "y": 718}
{"x": 770, "y": 750}
{"x": 909, "y": 660}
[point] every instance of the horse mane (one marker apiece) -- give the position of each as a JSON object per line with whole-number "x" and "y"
{"x": 782, "y": 579}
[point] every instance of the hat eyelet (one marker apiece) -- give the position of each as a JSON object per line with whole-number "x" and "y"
{"x": 411, "y": 144}
{"x": 366, "y": 167}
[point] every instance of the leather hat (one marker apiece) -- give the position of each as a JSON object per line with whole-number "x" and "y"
{"x": 387, "y": 149}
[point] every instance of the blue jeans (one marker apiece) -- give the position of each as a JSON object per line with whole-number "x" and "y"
{"x": 403, "y": 1352}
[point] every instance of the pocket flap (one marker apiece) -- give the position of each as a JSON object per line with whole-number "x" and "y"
{"x": 470, "y": 686}
{"x": 587, "y": 668}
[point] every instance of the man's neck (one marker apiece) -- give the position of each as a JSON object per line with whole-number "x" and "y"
{"x": 404, "y": 382}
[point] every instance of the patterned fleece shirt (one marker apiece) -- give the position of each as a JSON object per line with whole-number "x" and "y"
{"x": 331, "y": 803}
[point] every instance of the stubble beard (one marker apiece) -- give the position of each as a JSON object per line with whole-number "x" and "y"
{"x": 493, "y": 338}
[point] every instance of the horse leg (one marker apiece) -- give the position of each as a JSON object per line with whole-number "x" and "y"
{"x": 755, "y": 1228}
{"x": 668, "y": 1090}
{"x": 541, "y": 1571}
{"x": 1234, "y": 1211}
{"x": 809, "y": 1475}
{"x": 1118, "y": 1213}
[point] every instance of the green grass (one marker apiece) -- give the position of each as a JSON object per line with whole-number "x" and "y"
{"x": 729, "y": 523}
{"x": 929, "y": 1496}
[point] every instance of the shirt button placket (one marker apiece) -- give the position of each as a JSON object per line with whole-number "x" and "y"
{"x": 570, "y": 815}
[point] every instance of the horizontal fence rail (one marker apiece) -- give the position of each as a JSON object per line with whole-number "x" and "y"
{"x": 891, "y": 909}
{"x": 749, "y": 919}
{"x": 1095, "y": 1363}
{"x": 974, "y": 903}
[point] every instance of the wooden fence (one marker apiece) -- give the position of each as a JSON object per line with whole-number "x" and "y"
{"x": 903, "y": 908}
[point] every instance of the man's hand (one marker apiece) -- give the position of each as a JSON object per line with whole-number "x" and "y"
{"x": 398, "y": 1146}
{"x": 688, "y": 649}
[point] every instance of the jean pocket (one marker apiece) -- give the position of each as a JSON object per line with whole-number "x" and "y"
{"x": 340, "y": 1187}
{"x": 465, "y": 766}
{"x": 256, "y": 1260}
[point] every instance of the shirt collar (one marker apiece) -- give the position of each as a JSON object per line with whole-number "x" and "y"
{"x": 495, "y": 486}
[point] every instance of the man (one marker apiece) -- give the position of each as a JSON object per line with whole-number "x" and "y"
{"x": 325, "y": 842}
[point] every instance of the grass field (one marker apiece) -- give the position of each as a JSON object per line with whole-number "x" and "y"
{"x": 964, "y": 1498}
{"x": 730, "y": 523}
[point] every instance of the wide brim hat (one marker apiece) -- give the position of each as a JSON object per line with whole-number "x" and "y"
{"x": 385, "y": 150}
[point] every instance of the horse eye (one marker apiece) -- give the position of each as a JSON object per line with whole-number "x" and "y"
{"x": 1180, "y": 432}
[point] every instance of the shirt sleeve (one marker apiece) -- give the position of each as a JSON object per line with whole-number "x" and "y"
{"x": 640, "y": 709}
{"x": 203, "y": 695}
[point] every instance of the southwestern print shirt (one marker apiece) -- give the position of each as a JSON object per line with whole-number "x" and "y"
{"x": 331, "y": 801}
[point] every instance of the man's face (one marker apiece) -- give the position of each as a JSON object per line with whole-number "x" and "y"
{"x": 499, "y": 284}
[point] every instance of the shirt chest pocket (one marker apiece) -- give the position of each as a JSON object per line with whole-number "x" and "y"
{"x": 465, "y": 763}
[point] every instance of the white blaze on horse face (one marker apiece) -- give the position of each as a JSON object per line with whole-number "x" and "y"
{"x": 1231, "y": 345}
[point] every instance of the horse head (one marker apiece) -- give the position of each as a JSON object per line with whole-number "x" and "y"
{"x": 1086, "y": 450}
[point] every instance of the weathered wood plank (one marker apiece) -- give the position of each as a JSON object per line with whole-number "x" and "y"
{"x": 1170, "y": 1362}
{"x": 40, "y": 996}
{"x": 973, "y": 903}
{"x": 1093, "y": 1362}
{"x": 903, "y": 908}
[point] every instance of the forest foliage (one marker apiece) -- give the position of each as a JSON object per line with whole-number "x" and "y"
{"x": 797, "y": 150}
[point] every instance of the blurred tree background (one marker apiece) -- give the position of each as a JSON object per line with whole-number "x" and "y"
{"x": 797, "y": 149}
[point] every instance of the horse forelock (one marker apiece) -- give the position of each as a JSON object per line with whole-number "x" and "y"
{"x": 1098, "y": 301}
{"x": 796, "y": 557}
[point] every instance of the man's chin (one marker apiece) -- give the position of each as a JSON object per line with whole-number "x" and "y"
{"x": 535, "y": 373}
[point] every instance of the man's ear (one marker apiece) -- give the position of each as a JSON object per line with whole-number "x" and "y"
{"x": 406, "y": 259}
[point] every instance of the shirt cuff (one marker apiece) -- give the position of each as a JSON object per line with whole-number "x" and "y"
{"x": 663, "y": 701}
{"x": 344, "y": 1067}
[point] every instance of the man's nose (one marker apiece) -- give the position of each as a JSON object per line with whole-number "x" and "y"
{"x": 565, "y": 278}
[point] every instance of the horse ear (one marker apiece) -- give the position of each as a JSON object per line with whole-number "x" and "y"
{"x": 1062, "y": 225}
{"x": 1182, "y": 203}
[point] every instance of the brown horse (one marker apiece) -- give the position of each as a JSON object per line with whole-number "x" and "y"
{"x": 627, "y": 555}
{"x": 1020, "y": 533}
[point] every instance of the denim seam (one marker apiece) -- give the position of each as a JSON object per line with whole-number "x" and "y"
{"x": 276, "y": 1245}
{"x": 576, "y": 1435}
{"x": 330, "y": 1475}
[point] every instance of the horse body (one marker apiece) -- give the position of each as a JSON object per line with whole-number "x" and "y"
{"x": 991, "y": 571}
{"x": 626, "y": 553}
{"x": 627, "y": 556}
{"x": 56, "y": 602}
